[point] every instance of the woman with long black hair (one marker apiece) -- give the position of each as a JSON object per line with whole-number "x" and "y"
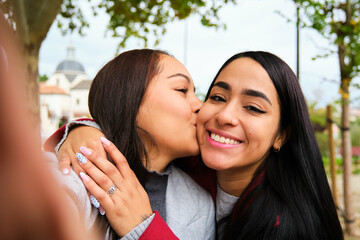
{"x": 254, "y": 130}
{"x": 274, "y": 167}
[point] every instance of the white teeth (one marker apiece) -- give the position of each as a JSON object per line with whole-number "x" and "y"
{"x": 219, "y": 139}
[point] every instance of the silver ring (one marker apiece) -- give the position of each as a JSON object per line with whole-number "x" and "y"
{"x": 111, "y": 190}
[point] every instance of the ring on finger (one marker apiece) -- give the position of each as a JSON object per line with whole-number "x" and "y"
{"x": 111, "y": 190}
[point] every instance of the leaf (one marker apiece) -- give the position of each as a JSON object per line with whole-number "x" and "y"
{"x": 141, "y": 19}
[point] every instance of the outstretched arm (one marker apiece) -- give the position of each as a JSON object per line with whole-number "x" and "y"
{"x": 119, "y": 192}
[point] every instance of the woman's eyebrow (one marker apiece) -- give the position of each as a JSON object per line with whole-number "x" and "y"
{"x": 181, "y": 75}
{"x": 222, "y": 85}
{"x": 255, "y": 93}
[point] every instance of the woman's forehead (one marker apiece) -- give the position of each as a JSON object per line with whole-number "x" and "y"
{"x": 245, "y": 72}
{"x": 245, "y": 75}
{"x": 170, "y": 66}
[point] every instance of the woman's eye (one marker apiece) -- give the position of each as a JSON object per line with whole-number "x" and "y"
{"x": 217, "y": 98}
{"x": 183, "y": 90}
{"x": 254, "y": 109}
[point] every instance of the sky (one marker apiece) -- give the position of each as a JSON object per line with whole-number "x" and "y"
{"x": 251, "y": 25}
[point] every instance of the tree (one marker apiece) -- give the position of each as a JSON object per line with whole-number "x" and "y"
{"x": 43, "y": 78}
{"x": 355, "y": 132}
{"x": 318, "y": 122}
{"x": 339, "y": 22}
{"x": 31, "y": 21}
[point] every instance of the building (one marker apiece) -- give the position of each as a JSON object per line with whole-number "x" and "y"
{"x": 64, "y": 95}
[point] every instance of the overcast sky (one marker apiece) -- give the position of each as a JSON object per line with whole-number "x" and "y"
{"x": 251, "y": 25}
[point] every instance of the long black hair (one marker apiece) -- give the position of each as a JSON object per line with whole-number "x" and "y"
{"x": 115, "y": 96}
{"x": 289, "y": 196}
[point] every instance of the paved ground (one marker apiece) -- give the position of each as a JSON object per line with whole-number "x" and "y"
{"x": 355, "y": 183}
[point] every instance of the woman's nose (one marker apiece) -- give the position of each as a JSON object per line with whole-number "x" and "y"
{"x": 228, "y": 116}
{"x": 196, "y": 104}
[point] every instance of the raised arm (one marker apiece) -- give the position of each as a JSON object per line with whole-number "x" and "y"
{"x": 80, "y": 136}
{"x": 51, "y": 143}
{"x": 69, "y": 138}
{"x": 121, "y": 195}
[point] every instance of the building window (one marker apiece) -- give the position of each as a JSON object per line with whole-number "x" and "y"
{"x": 77, "y": 101}
{"x": 57, "y": 82}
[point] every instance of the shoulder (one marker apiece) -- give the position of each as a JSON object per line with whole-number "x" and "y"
{"x": 179, "y": 175}
{"x": 183, "y": 183}
{"x": 75, "y": 188}
{"x": 70, "y": 181}
{"x": 190, "y": 210}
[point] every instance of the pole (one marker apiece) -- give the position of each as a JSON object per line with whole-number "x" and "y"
{"x": 185, "y": 41}
{"x": 298, "y": 41}
{"x": 332, "y": 153}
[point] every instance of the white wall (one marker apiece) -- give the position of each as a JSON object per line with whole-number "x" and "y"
{"x": 79, "y": 100}
{"x": 58, "y": 106}
{"x": 59, "y": 80}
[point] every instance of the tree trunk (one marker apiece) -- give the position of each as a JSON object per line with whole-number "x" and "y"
{"x": 347, "y": 163}
{"x": 33, "y": 20}
{"x": 31, "y": 58}
{"x": 346, "y": 144}
{"x": 332, "y": 153}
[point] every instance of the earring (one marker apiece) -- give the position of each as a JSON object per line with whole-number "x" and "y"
{"x": 277, "y": 149}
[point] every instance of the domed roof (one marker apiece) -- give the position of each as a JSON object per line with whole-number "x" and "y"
{"x": 70, "y": 64}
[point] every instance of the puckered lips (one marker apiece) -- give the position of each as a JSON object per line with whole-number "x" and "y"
{"x": 222, "y": 140}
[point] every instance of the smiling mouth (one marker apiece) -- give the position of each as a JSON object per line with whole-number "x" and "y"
{"x": 223, "y": 140}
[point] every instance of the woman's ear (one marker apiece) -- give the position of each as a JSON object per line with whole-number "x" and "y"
{"x": 281, "y": 138}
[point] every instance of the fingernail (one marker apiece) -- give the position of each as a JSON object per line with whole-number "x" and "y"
{"x": 102, "y": 211}
{"x": 105, "y": 141}
{"x": 86, "y": 151}
{"x": 84, "y": 177}
{"x": 81, "y": 158}
{"x": 65, "y": 171}
{"x": 94, "y": 201}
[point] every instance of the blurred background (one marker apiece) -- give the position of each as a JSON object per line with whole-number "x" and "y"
{"x": 81, "y": 36}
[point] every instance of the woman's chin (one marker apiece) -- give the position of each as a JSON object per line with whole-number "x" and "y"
{"x": 216, "y": 165}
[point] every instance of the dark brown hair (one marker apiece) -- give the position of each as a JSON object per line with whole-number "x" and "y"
{"x": 114, "y": 100}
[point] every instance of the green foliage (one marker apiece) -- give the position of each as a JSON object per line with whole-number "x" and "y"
{"x": 140, "y": 19}
{"x": 323, "y": 142}
{"x": 339, "y": 167}
{"x": 318, "y": 121}
{"x": 73, "y": 17}
{"x": 355, "y": 132}
{"x": 43, "y": 78}
{"x": 338, "y": 21}
{"x": 317, "y": 115}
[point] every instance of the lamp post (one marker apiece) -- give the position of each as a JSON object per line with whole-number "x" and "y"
{"x": 298, "y": 41}
{"x": 185, "y": 41}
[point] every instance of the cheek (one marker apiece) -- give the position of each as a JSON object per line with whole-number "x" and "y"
{"x": 174, "y": 113}
{"x": 201, "y": 119}
{"x": 171, "y": 113}
{"x": 205, "y": 114}
{"x": 262, "y": 133}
